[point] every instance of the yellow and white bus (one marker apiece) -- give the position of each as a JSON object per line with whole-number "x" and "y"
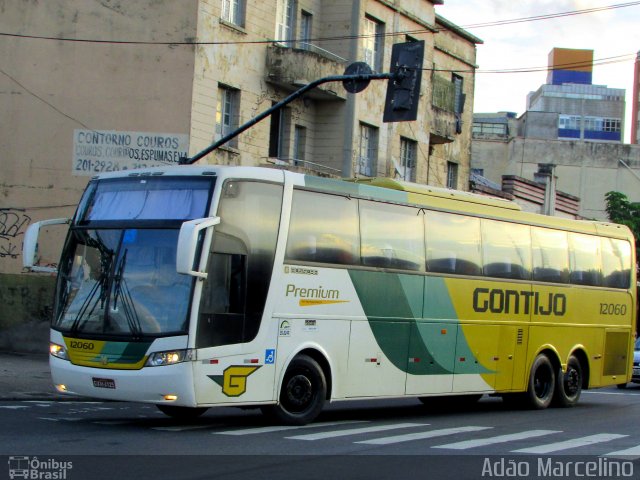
{"x": 192, "y": 287}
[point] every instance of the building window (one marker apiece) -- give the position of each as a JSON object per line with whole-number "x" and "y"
{"x": 227, "y": 113}
{"x": 305, "y": 30}
{"x": 286, "y": 18}
{"x": 408, "y": 155}
{"x": 299, "y": 144}
{"x": 368, "y": 150}
{"x": 279, "y": 134}
{"x": 373, "y": 43}
{"x": 610, "y": 125}
{"x": 452, "y": 175}
{"x": 458, "y": 99}
{"x": 233, "y": 12}
{"x": 481, "y": 128}
{"x": 569, "y": 122}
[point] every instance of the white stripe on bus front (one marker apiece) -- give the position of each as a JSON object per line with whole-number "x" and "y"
{"x": 422, "y": 435}
{"x": 573, "y": 443}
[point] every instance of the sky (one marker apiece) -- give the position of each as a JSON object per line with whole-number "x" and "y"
{"x": 614, "y": 32}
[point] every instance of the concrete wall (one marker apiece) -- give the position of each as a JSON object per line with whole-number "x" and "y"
{"x": 48, "y": 89}
{"x": 587, "y": 170}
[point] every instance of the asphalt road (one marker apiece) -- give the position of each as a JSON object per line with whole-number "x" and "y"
{"x": 376, "y": 439}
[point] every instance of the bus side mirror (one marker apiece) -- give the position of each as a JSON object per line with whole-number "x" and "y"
{"x": 30, "y": 245}
{"x": 188, "y": 242}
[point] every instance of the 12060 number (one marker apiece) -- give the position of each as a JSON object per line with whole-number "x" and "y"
{"x": 613, "y": 309}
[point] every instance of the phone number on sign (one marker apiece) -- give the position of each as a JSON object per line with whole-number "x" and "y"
{"x": 97, "y": 166}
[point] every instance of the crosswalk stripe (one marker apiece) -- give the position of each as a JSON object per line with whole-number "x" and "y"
{"x": 627, "y": 452}
{"x": 573, "y": 443}
{"x": 182, "y": 428}
{"x": 355, "y": 431}
{"x": 422, "y": 435}
{"x": 281, "y": 428}
{"x": 481, "y": 442}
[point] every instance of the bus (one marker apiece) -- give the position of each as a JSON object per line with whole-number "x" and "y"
{"x": 190, "y": 287}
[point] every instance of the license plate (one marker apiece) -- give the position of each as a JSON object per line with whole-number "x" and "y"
{"x": 636, "y": 370}
{"x": 104, "y": 383}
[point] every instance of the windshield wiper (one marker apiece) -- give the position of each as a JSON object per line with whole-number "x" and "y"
{"x": 101, "y": 285}
{"x": 121, "y": 290}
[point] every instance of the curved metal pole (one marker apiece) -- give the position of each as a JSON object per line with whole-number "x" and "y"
{"x": 279, "y": 105}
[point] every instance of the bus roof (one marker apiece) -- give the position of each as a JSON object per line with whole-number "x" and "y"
{"x": 394, "y": 191}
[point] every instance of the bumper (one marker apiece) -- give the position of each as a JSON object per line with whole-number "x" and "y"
{"x": 148, "y": 385}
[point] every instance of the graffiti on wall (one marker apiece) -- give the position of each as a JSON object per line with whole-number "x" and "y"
{"x": 13, "y": 224}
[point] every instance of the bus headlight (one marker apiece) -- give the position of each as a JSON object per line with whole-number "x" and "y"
{"x": 58, "y": 351}
{"x": 172, "y": 357}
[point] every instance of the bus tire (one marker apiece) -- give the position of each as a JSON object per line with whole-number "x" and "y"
{"x": 302, "y": 395}
{"x": 569, "y": 384}
{"x": 542, "y": 382}
{"x": 182, "y": 413}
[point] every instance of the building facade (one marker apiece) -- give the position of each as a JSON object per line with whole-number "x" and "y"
{"x": 89, "y": 87}
{"x": 569, "y": 123}
{"x": 504, "y": 145}
{"x": 585, "y": 111}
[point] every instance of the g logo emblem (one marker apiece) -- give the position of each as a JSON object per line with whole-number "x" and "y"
{"x": 234, "y": 379}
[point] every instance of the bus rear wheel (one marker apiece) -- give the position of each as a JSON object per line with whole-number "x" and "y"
{"x": 303, "y": 393}
{"x": 542, "y": 383}
{"x": 182, "y": 413}
{"x": 568, "y": 384}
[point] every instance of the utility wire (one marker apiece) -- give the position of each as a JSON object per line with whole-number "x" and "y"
{"x": 326, "y": 39}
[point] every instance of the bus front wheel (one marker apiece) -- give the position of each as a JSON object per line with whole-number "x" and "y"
{"x": 569, "y": 384}
{"x": 542, "y": 383}
{"x": 303, "y": 393}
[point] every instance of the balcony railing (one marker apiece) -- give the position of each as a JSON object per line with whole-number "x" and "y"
{"x": 292, "y": 67}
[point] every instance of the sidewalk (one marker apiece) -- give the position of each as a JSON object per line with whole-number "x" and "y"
{"x": 25, "y": 376}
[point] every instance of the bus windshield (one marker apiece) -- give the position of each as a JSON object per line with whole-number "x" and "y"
{"x": 117, "y": 274}
{"x": 122, "y": 282}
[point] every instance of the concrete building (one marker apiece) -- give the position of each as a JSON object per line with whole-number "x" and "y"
{"x": 585, "y": 111}
{"x": 569, "y": 123}
{"x": 88, "y": 87}
{"x": 584, "y": 169}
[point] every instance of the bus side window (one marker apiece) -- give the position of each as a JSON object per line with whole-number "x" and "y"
{"x": 616, "y": 263}
{"x": 585, "y": 259}
{"x": 222, "y": 308}
{"x": 550, "y": 255}
{"x": 453, "y": 243}
{"x": 506, "y": 249}
{"x": 323, "y": 229}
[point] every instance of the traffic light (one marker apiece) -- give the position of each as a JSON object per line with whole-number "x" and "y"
{"x": 403, "y": 90}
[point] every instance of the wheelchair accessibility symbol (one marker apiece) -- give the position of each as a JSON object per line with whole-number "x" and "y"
{"x": 269, "y": 356}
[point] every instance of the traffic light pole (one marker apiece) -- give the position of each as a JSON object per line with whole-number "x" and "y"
{"x": 356, "y": 79}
